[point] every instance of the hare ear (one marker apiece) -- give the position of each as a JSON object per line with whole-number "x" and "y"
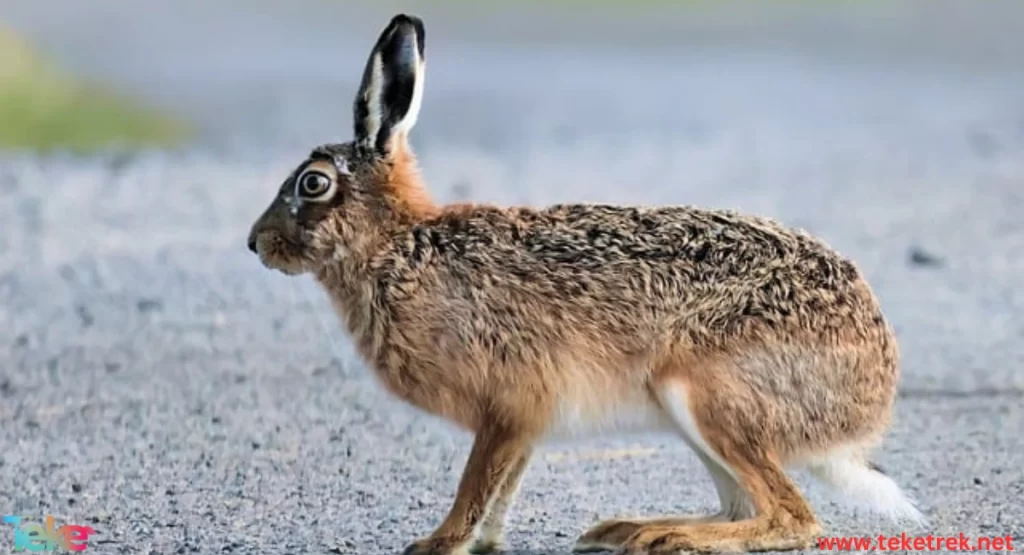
{"x": 391, "y": 92}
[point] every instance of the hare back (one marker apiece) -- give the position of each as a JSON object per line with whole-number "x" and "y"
{"x": 631, "y": 273}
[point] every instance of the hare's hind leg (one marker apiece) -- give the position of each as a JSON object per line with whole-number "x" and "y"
{"x": 729, "y": 435}
{"x": 734, "y": 503}
{"x": 609, "y": 535}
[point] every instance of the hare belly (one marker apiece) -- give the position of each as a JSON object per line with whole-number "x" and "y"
{"x": 588, "y": 413}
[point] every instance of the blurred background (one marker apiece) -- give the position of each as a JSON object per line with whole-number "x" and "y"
{"x": 160, "y": 385}
{"x": 260, "y": 71}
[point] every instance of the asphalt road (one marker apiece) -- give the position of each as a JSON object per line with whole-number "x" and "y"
{"x": 160, "y": 385}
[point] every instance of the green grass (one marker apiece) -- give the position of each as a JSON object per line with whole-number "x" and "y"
{"x": 42, "y": 108}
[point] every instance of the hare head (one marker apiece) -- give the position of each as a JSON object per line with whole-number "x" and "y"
{"x": 344, "y": 196}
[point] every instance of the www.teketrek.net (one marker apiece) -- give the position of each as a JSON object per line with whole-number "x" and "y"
{"x": 903, "y": 542}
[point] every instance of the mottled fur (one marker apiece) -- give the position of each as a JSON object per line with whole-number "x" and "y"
{"x": 758, "y": 344}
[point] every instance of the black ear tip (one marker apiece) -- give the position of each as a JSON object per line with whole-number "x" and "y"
{"x": 404, "y": 18}
{"x": 404, "y": 21}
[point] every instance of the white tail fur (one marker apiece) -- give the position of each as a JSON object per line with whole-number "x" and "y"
{"x": 856, "y": 481}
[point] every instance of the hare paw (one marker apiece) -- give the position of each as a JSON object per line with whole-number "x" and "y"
{"x": 607, "y": 535}
{"x": 483, "y": 546}
{"x": 436, "y": 546}
{"x": 656, "y": 540}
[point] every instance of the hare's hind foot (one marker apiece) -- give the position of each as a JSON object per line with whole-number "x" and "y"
{"x": 609, "y": 535}
{"x": 762, "y": 509}
{"x": 764, "y": 533}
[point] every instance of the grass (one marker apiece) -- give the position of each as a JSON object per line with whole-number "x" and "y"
{"x": 41, "y": 108}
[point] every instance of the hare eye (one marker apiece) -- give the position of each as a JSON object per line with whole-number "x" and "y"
{"x": 314, "y": 184}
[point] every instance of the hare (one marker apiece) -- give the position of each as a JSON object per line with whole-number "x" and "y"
{"x": 757, "y": 344}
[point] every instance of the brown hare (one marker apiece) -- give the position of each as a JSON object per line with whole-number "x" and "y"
{"x": 757, "y": 344}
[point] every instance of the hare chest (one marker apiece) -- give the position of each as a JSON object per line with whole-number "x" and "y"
{"x": 605, "y": 410}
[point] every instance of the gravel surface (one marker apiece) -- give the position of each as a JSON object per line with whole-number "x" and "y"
{"x": 160, "y": 385}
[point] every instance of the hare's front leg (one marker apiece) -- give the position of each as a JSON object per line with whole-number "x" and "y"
{"x": 497, "y": 453}
{"x": 491, "y": 535}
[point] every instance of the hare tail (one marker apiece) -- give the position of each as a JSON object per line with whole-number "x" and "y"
{"x": 864, "y": 483}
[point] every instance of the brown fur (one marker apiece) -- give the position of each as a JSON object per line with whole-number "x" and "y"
{"x": 501, "y": 319}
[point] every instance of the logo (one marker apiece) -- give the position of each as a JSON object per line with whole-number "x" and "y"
{"x": 36, "y": 536}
